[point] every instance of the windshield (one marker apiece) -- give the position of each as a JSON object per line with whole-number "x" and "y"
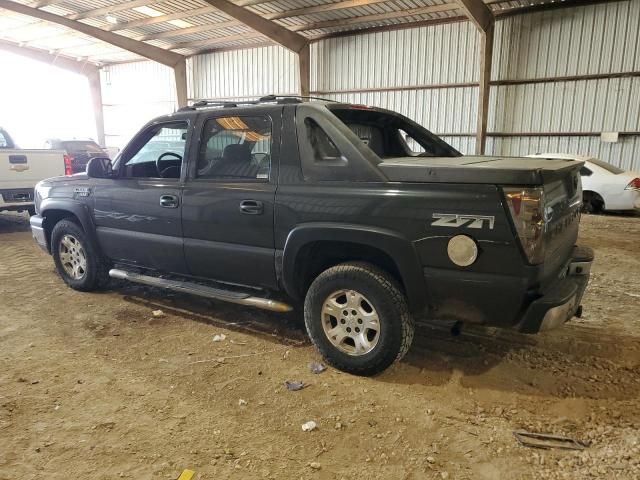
{"x": 607, "y": 166}
{"x": 390, "y": 135}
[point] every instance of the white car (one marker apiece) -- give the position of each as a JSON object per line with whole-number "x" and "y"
{"x": 604, "y": 187}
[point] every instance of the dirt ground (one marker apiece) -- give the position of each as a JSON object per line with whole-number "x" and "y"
{"x": 93, "y": 386}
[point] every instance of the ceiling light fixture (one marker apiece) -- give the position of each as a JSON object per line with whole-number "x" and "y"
{"x": 111, "y": 19}
{"x": 148, "y": 11}
{"x": 180, "y": 23}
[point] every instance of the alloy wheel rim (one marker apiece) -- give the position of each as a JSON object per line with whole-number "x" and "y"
{"x": 72, "y": 257}
{"x": 350, "y": 322}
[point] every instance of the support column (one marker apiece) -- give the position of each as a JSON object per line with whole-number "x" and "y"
{"x": 180, "y": 75}
{"x": 304, "y": 67}
{"x": 93, "y": 76}
{"x": 486, "y": 56}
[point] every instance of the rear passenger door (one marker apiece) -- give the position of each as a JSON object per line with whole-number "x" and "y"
{"x": 228, "y": 200}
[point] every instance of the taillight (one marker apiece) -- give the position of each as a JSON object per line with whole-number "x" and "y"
{"x": 526, "y": 206}
{"x": 633, "y": 184}
{"x": 68, "y": 169}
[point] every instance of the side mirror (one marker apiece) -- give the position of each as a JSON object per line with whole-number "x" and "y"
{"x": 99, "y": 167}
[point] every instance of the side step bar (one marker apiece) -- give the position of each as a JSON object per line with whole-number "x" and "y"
{"x": 202, "y": 291}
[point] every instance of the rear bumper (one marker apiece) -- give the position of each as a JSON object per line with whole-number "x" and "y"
{"x": 514, "y": 302}
{"x": 38, "y": 233}
{"x": 560, "y": 302}
{"x": 16, "y": 199}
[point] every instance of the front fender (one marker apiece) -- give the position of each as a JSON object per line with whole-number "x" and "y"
{"x": 393, "y": 244}
{"x": 79, "y": 210}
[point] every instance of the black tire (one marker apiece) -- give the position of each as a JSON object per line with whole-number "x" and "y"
{"x": 95, "y": 274}
{"x": 592, "y": 203}
{"x": 396, "y": 327}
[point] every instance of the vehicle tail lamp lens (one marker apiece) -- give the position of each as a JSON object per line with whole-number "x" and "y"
{"x": 68, "y": 170}
{"x": 526, "y": 206}
{"x": 462, "y": 250}
{"x": 633, "y": 184}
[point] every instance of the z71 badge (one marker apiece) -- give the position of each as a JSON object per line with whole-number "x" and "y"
{"x": 461, "y": 220}
{"x": 81, "y": 192}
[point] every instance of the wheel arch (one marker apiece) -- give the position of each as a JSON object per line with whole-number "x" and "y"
{"x": 312, "y": 248}
{"x": 54, "y": 210}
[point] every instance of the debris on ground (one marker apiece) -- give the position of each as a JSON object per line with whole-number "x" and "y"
{"x": 309, "y": 426}
{"x": 157, "y": 313}
{"x": 219, "y": 337}
{"x": 242, "y": 403}
{"x": 186, "y": 475}
{"x": 315, "y": 367}
{"x": 294, "y": 386}
{"x": 545, "y": 441}
{"x": 315, "y": 465}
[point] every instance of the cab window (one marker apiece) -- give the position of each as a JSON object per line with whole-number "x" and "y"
{"x": 159, "y": 152}
{"x": 235, "y": 148}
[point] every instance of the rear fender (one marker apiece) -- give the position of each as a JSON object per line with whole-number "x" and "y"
{"x": 393, "y": 244}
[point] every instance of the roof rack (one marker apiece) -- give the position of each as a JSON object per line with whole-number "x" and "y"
{"x": 279, "y": 99}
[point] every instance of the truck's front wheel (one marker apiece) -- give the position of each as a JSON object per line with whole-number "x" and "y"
{"x": 357, "y": 317}
{"x": 77, "y": 260}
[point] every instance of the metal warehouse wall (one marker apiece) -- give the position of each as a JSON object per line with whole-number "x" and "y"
{"x": 594, "y": 40}
{"x": 240, "y": 74}
{"x": 132, "y": 94}
{"x": 431, "y": 75}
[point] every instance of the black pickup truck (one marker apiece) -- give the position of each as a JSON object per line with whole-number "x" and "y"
{"x": 359, "y": 214}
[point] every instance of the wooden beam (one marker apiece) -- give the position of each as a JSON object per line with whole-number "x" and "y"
{"x": 304, "y": 70}
{"x": 486, "y": 57}
{"x": 285, "y": 37}
{"x": 148, "y": 51}
{"x": 180, "y": 77}
{"x": 376, "y": 17}
{"x": 478, "y": 13}
{"x": 96, "y": 99}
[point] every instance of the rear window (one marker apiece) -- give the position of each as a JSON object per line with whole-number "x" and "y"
{"x": 607, "y": 166}
{"x": 81, "y": 146}
{"x": 390, "y": 135}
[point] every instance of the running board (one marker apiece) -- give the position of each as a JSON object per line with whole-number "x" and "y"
{"x": 202, "y": 291}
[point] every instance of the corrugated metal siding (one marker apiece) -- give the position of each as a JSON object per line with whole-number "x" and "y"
{"x": 597, "y": 39}
{"x": 438, "y": 55}
{"x": 133, "y": 94}
{"x": 243, "y": 73}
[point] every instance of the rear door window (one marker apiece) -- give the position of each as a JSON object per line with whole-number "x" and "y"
{"x": 236, "y": 148}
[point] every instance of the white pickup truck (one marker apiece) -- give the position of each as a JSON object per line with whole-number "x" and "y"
{"x": 20, "y": 170}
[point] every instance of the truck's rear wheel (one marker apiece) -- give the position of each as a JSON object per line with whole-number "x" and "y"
{"x": 358, "y": 318}
{"x": 77, "y": 260}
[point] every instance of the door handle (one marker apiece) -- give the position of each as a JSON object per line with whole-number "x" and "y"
{"x": 251, "y": 207}
{"x": 169, "y": 201}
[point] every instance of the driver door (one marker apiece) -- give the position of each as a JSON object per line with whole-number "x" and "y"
{"x": 138, "y": 213}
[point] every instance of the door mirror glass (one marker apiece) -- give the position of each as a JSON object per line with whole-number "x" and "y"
{"x": 99, "y": 167}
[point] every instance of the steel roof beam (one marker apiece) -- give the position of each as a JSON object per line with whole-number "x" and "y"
{"x": 478, "y": 13}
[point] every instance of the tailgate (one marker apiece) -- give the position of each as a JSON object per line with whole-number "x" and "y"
{"x": 24, "y": 168}
{"x": 563, "y": 201}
